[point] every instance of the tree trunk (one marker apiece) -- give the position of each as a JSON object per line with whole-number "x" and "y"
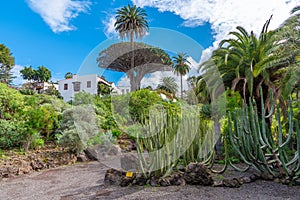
{"x": 132, "y": 80}
{"x": 181, "y": 86}
{"x": 217, "y": 138}
{"x": 138, "y": 78}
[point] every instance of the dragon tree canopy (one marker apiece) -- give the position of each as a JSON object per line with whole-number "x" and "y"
{"x": 147, "y": 59}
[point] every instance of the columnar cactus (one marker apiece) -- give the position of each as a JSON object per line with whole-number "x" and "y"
{"x": 172, "y": 136}
{"x": 254, "y": 141}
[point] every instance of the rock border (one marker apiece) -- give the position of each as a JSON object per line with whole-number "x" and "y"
{"x": 193, "y": 174}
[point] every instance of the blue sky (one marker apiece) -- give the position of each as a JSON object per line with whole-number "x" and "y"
{"x": 60, "y": 34}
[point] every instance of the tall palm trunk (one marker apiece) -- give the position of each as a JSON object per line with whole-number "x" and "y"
{"x": 181, "y": 86}
{"x": 132, "y": 78}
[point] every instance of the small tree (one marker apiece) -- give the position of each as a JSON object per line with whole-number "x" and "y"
{"x": 28, "y": 73}
{"x": 6, "y": 64}
{"x": 42, "y": 74}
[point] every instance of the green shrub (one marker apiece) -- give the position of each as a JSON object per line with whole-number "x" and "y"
{"x": 95, "y": 140}
{"x": 83, "y": 98}
{"x": 140, "y": 103}
{"x": 27, "y": 92}
{"x": 23, "y": 116}
{"x": 71, "y": 140}
{"x": 11, "y": 134}
{"x": 36, "y": 141}
{"x": 43, "y": 114}
{"x": 11, "y": 103}
{"x": 108, "y": 139}
{"x": 116, "y": 133}
{"x": 109, "y": 123}
{"x": 120, "y": 105}
{"x": 79, "y": 124}
{"x": 133, "y": 130}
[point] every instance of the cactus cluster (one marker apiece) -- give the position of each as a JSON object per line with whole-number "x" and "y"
{"x": 251, "y": 136}
{"x": 171, "y": 137}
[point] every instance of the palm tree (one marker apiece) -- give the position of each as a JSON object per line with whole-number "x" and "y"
{"x": 168, "y": 84}
{"x": 200, "y": 89}
{"x": 131, "y": 22}
{"x": 68, "y": 75}
{"x": 247, "y": 62}
{"x": 181, "y": 67}
{"x": 289, "y": 33}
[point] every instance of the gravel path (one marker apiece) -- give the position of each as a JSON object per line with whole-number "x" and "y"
{"x": 85, "y": 181}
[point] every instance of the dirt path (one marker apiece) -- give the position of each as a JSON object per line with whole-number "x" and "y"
{"x": 85, "y": 181}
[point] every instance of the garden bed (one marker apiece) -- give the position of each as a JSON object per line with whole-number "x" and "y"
{"x": 13, "y": 163}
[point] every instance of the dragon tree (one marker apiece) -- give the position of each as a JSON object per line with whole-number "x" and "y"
{"x": 148, "y": 59}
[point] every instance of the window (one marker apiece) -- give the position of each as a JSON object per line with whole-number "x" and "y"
{"x": 89, "y": 84}
{"x": 66, "y": 86}
{"x": 123, "y": 91}
{"x": 76, "y": 86}
{"x": 127, "y": 91}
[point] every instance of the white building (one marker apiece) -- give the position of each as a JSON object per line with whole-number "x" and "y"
{"x": 123, "y": 89}
{"x": 87, "y": 83}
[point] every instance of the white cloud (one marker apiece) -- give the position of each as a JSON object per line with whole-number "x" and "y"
{"x": 155, "y": 78}
{"x": 58, "y": 13}
{"x": 194, "y": 65}
{"x": 123, "y": 82}
{"x": 109, "y": 27}
{"x": 18, "y": 81}
{"x": 225, "y": 15}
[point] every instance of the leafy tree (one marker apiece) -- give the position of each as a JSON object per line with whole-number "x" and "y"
{"x": 140, "y": 103}
{"x": 181, "y": 67}
{"x": 28, "y": 73}
{"x": 131, "y": 22}
{"x": 6, "y": 64}
{"x": 43, "y": 74}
